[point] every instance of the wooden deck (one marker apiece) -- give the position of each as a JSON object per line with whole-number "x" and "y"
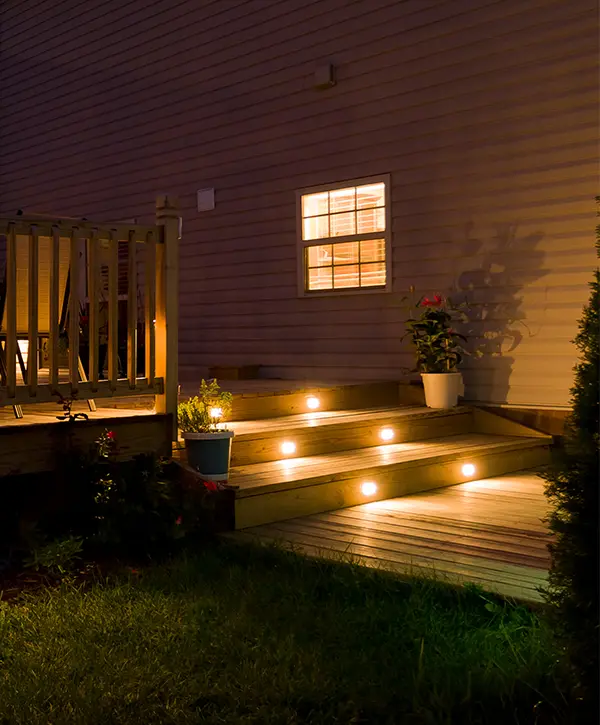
{"x": 488, "y": 532}
{"x": 48, "y": 412}
{"x": 35, "y": 443}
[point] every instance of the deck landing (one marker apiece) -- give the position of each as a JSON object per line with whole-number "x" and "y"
{"x": 488, "y": 532}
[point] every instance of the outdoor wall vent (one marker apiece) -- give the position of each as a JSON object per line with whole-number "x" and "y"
{"x": 205, "y": 199}
{"x": 325, "y": 76}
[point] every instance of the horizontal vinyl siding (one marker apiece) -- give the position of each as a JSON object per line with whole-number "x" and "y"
{"x": 486, "y": 118}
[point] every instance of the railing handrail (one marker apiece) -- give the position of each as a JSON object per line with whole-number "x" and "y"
{"x": 103, "y": 230}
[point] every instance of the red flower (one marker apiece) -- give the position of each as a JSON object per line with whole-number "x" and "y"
{"x": 178, "y": 521}
{"x": 435, "y": 302}
{"x": 211, "y": 486}
{"x": 110, "y": 434}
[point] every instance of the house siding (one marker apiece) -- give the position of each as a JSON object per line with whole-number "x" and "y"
{"x": 485, "y": 117}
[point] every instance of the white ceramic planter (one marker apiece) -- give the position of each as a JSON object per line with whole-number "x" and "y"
{"x": 441, "y": 389}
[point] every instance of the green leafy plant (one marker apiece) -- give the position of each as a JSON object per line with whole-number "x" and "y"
{"x": 572, "y": 488}
{"x": 58, "y": 557}
{"x": 205, "y": 412}
{"x": 431, "y": 329}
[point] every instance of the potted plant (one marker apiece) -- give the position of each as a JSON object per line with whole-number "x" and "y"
{"x": 439, "y": 349}
{"x": 207, "y": 441}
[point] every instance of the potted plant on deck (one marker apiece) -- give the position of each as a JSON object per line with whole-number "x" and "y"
{"x": 439, "y": 349}
{"x": 207, "y": 441}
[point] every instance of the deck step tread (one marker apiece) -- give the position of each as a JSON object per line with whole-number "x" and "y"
{"x": 287, "y": 473}
{"x": 337, "y": 417}
{"x": 444, "y": 532}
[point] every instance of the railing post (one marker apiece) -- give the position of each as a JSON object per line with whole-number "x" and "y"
{"x": 167, "y": 305}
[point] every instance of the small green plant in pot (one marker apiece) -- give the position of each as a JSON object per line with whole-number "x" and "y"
{"x": 438, "y": 349}
{"x": 207, "y": 441}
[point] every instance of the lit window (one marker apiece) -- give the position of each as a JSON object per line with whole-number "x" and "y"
{"x": 345, "y": 237}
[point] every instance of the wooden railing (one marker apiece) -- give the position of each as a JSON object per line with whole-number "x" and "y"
{"x": 61, "y": 292}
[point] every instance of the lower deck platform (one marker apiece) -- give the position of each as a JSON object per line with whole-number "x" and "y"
{"x": 488, "y": 532}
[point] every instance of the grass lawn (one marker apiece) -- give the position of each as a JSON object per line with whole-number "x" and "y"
{"x": 251, "y": 635}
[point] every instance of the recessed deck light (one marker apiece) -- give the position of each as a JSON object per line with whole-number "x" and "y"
{"x": 468, "y": 470}
{"x": 368, "y": 488}
{"x": 313, "y": 403}
{"x": 387, "y": 434}
{"x": 287, "y": 448}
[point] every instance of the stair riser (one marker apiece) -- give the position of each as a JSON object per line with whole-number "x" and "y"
{"x": 402, "y": 479}
{"x": 270, "y": 405}
{"x": 317, "y": 440}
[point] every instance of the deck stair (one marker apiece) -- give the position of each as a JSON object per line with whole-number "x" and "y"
{"x": 303, "y": 463}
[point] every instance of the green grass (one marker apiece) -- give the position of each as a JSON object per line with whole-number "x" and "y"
{"x": 249, "y": 635}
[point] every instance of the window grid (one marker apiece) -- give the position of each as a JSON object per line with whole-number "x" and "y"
{"x": 364, "y": 262}
{"x": 367, "y": 215}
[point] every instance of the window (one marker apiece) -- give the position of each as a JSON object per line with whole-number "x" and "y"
{"x": 344, "y": 236}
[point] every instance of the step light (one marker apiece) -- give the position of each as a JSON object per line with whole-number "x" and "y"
{"x": 368, "y": 488}
{"x": 288, "y": 448}
{"x": 216, "y": 412}
{"x": 313, "y": 403}
{"x": 468, "y": 470}
{"x": 387, "y": 434}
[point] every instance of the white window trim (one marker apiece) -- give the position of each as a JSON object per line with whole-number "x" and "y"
{"x": 302, "y": 243}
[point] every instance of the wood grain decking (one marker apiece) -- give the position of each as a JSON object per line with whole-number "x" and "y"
{"x": 46, "y": 413}
{"x": 282, "y": 474}
{"x": 487, "y": 532}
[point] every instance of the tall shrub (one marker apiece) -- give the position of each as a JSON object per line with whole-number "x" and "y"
{"x": 572, "y": 488}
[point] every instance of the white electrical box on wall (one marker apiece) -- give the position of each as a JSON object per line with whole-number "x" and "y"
{"x": 205, "y": 199}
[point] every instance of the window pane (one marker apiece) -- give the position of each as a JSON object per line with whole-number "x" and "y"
{"x": 372, "y": 275}
{"x": 372, "y": 250}
{"x": 342, "y": 200}
{"x": 316, "y": 228}
{"x": 342, "y": 224}
{"x": 371, "y": 220}
{"x": 345, "y": 253}
{"x": 319, "y": 278}
{"x": 370, "y": 195}
{"x": 315, "y": 204}
{"x": 346, "y": 276}
{"x": 319, "y": 256}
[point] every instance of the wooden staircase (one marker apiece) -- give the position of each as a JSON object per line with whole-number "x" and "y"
{"x": 306, "y": 462}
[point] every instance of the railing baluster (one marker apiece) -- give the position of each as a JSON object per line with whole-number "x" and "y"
{"x": 113, "y": 309}
{"x": 167, "y": 306}
{"x": 43, "y": 296}
{"x": 53, "y": 338}
{"x": 94, "y": 310}
{"x": 132, "y": 311}
{"x": 11, "y": 312}
{"x": 33, "y": 312}
{"x": 74, "y": 311}
{"x": 150, "y": 308}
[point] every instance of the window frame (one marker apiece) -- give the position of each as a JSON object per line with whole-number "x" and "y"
{"x": 302, "y": 244}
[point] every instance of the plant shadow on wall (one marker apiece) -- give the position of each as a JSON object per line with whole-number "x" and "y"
{"x": 493, "y": 287}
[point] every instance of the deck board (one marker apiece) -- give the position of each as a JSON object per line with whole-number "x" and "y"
{"x": 335, "y": 417}
{"x": 286, "y": 472}
{"x": 488, "y": 532}
{"x": 47, "y": 413}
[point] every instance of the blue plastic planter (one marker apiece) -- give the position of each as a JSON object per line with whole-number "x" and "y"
{"x": 209, "y": 453}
